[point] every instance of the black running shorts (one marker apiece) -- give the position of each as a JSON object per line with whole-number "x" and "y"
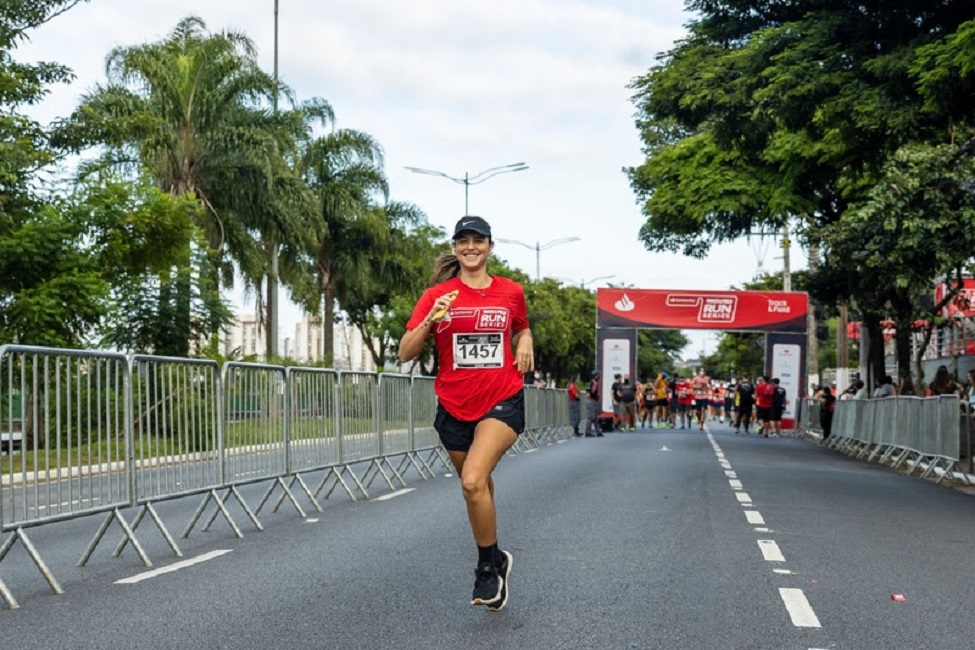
{"x": 457, "y": 435}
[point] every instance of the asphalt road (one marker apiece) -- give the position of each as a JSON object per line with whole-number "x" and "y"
{"x": 651, "y": 539}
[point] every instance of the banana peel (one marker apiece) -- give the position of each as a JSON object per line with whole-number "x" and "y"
{"x": 440, "y": 313}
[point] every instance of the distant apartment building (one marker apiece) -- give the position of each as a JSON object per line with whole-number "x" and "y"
{"x": 246, "y": 338}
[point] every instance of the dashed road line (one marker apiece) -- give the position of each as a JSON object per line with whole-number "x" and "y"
{"x": 770, "y": 550}
{"x": 800, "y": 611}
{"x": 393, "y": 495}
{"x": 743, "y": 497}
{"x": 175, "y": 566}
{"x": 754, "y": 517}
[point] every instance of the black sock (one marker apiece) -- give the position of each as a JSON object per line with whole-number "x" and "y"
{"x": 488, "y": 554}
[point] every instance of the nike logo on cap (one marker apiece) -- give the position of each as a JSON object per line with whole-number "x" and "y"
{"x": 464, "y": 223}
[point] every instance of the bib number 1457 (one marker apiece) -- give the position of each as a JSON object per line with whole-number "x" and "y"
{"x": 479, "y": 350}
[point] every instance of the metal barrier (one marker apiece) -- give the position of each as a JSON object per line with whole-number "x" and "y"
{"x": 75, "y": 458}
{"x": 101, "y": 432}
{"x": 930, "y": 435}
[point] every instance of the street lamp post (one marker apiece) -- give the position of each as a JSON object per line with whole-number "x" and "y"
{"x": 538, "y": 248}
{"x": 476, "y": 179}
{"x": 602, "y": 277}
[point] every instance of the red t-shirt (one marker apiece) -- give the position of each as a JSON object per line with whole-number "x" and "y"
{"x": 573, "y": 392}
{"x": 684, "y": 394}
{"x": 473, "y": 342}
{"x": 763, "y": 395}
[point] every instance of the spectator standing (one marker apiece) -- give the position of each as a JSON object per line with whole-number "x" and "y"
{"x": 779, "y": 400}
{"x": 827, "y": 402}
{"x": 594, "y": 407}
{"x": 627, "y": 404}
{"x": 617, "y": 408}
{"x": 575, "y": 404}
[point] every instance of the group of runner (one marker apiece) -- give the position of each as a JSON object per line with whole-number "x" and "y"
{"x": 680, "y": 402}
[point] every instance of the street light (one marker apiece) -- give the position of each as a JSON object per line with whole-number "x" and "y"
{"x": 602, "y": 277}
{"x": 476, "y": 179}
{"x": 538, "y": 248}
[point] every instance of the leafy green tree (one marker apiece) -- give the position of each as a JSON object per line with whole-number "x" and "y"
{"x": 192, "y": 109}
{"x": 658, "y": 351}
{"x": 344, "y": 171}
{"x": 563, "y": 321}
{"x": 788, "y": 111}
{"x": 918, "y": 223}
{"x": 51, "y": 292}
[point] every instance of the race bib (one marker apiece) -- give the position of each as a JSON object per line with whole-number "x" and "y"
{"x": 479, "y": 350}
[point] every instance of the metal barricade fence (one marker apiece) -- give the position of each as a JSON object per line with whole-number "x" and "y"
{"x": 395, "y": 414}
{"x": 358, "y": 416}
{"x": 255, "y": 426}
{"x": 76, "y": 430}
{"x": 424, "y": 411}
{"x": 314, "y": 440}
{"x": 177, "y": 427}
{"x": 102, "y": 433}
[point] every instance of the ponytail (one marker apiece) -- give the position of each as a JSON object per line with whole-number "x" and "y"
{"x": 446, "y": 267}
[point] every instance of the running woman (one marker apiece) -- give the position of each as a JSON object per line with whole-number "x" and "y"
{"x": 479, "y": 324}
{"x": 700, "y": 385}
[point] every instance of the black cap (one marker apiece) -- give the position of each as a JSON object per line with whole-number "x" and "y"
{"x": 475, "y": 225}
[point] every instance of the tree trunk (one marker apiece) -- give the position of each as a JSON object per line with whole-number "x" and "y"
{"x": 328, "y": 325}
{"x": 902, "y": 340}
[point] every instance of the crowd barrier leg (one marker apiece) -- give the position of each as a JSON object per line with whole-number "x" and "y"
{"x": 297, "y": 479}
{"x": 114, "y": 515}
{"x": 234, "y": 492}
{"x": 21, "y": 536}
{"x": 336, "y": 473}
{"x": 375, "y": 469}
{"x": 286, "y": 493}
{"x": 147, "y": 508}
{"x": 410, "y": 457}
{"x": 212, "y": 496}
{"x": 7, "y": 596}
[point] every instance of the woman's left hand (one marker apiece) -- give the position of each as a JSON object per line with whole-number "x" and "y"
{"x": 525, "y": 353}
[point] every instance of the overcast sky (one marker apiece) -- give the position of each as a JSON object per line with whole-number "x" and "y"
{"x": 460, "y": 87}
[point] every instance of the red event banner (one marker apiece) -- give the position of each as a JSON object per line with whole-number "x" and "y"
{"x": 744, "y": 311}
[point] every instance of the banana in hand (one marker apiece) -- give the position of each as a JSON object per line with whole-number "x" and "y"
{"x": 440, "y": 313}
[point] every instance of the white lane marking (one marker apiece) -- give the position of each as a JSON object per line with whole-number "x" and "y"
{"x": 176, "y": 566}
{"x": 726, "y": 464}
{"x": 764, "y": 530}
{"x": 782, "y": 572}
{"x": 730, "y": 474}
{"x": 770, "y": 550}
{"x": 391, "y": 495}
{"x": 800, "y": 611}
{"x": 743, "y": 497}
{"x": 559, "y": 442}
{"x": 313, "y": 520}
{"x": 734, "y": 483}
{"x": 531, "y": 451}
{"x": 754, "y": 517}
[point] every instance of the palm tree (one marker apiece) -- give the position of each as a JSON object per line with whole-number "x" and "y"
{"x": 344, "y": 170}
{"x": 192, "y": 109}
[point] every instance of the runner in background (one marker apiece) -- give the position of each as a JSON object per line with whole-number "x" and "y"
{"x": 700, "y": 385}
{"x": 662, "y": 391}
{"x": 745, "y": 398}
{"x": 717, "y": 404}
{"x": 685, "y": 401}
